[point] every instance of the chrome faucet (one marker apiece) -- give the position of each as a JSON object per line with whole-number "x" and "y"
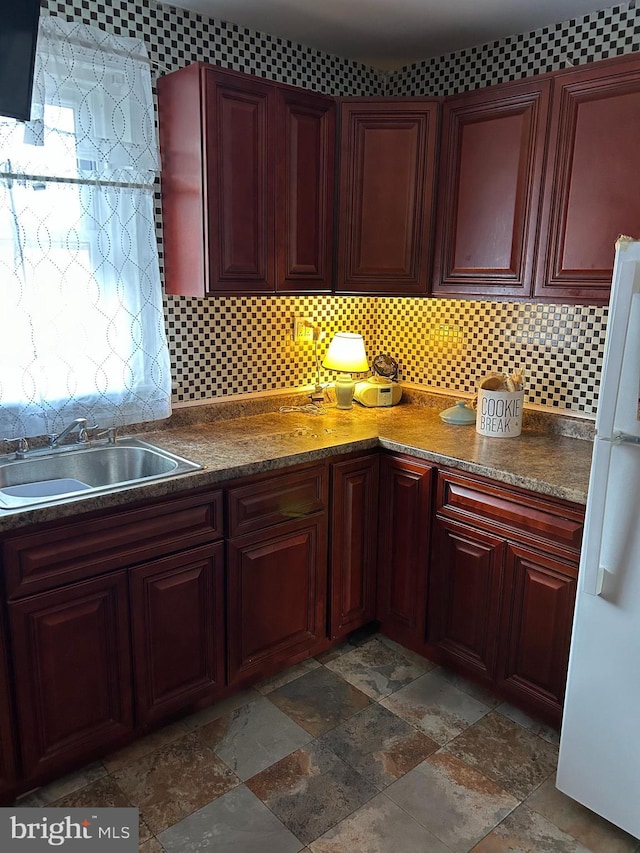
{"x": 79, "y": 423}
{"x": 110, "y": 433}
{"x": 22, "y": 446}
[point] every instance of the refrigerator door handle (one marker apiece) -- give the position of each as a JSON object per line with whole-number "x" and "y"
{"x": 590, "y": 569}
{"x": 623, "y": 438}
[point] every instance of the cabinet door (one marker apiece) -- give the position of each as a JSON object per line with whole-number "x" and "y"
{"x": 354, "y": 525}
{"x": 276, "y": 593}
{"x": 7, "y": 751}
{"x": 492, "y": 154}
{"x": 403, "y": 548}
{"x": 178, "y": 630}
{"x": 304, "y": 217}
{"x": 73, "y": 673}
{"x": 387, "y": 160}
{"x": 240, "y": 153}
{"x": 591, "y": 194}
{"x": 184, "y": 219}
{"x": 465, "y": 582}
{"x": 536, "y": 629}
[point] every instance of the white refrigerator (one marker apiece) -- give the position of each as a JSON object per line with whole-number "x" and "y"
{"x": 599, "y": 763}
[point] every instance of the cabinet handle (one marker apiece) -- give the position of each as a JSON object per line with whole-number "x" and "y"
{"x": 299, "y": 513}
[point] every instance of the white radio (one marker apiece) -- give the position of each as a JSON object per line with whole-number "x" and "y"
{"x": 377, "y": 391}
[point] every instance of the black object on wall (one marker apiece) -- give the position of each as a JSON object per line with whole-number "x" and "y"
{"x": 18, "y": 37}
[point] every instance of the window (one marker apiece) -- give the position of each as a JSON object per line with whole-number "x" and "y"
{"x": 82, "y": 329}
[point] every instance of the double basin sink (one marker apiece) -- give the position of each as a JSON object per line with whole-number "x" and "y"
{"x": 72, "y": 471}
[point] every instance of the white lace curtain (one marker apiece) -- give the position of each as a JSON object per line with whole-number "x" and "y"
{"x": 81, "y": 320}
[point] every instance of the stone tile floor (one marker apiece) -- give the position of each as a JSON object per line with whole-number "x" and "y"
{"x": 367, "y": 749}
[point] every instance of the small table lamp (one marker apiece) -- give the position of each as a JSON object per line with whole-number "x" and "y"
{"x": 346, "y": 353}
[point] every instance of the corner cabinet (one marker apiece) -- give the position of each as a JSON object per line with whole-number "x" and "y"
{"x": 353, "y": 556}
{"x": 403, "y": 548}
{"x": 591, "y": 194}
{"x": 386, "y": 186}
{"x": 504, "y": 566}
{"x": 247, "y": 184}
{"x": 537, "y": 183}
{"x": 492, "y": 155}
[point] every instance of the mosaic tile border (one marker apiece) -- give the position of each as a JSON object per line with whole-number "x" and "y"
{"x": 598, "y": 35}
{"x": 176, "y": 37}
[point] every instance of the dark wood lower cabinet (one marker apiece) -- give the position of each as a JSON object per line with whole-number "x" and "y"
{"x": 465, "y": 584}
{"x": 539, "y": 595}
{"x": 7, "y": 750}
{"x": 177, "y": 607}
{"x": 504, "y": 565}
{"x": 276, "y": 596}
{"x": 487, "y": 587}
{"x": 354, "y": 525}
{"x": 72, "y": 673}
{"x": 403, "y": 548}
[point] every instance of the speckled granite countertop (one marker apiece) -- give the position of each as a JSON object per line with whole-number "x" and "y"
{"x": 546, "y": 463}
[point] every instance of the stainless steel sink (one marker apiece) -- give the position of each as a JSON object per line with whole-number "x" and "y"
{"x": 69, "y": 471}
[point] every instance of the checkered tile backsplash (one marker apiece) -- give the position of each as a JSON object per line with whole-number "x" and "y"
{"x": 236, "y": 345}
{"x": 232, "y": 345}
{"x": 451, "y": 344}
{"x": 598, "y": 35}
{"x": 176, "y": 37}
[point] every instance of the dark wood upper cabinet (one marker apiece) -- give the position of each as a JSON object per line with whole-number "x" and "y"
{"x": 247, "y": 178}
{"x": 239, "y": 150}
{"x": 217, "y": 132}
{"x": 535, "y": 185}
{"x": 306, "y": 154}
{"x": 387, "y": 165}
{"x": 492, "y": 155}
{"x": 591, "y": 194}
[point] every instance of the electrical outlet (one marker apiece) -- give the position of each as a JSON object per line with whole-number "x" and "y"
{"x": 303, "y": 330}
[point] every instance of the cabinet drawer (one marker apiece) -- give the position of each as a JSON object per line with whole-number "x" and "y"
{"x": 513, "y": 513}
{"x": 282, "y": 497}
{"x": 70, "y": 552}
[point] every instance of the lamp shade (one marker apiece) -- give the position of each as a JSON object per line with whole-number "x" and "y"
{"x": 346, "y": 353}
